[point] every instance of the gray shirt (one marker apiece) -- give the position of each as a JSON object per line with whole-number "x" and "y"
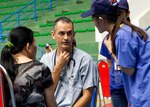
{"x": 74, "y": 78}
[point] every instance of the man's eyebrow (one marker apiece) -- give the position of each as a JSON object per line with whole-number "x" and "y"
{"x": 67, "y": 31}
{"x": 61, "y": 31}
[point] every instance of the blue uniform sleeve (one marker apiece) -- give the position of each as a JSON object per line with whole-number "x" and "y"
{"x": 89, "y": 73}
{"x": 126, "y": 52}
{"x": 104, "y": 51}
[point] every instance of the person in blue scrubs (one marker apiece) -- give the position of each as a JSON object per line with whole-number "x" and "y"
{"x": 74, "y": 71}
{"x": 128, "y": 45}
{"x": 118, "y": 96}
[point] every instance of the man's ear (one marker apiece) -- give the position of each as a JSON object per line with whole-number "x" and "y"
{"x": 27, "y": 48}
{"x": 74, "y": 34}
{"x": 53, "y": 34}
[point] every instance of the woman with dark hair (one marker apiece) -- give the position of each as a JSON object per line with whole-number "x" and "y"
{"x": 32, "y": 81}
{"x": 128, "y": 47}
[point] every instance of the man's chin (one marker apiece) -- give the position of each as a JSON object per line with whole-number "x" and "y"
{"x": 66, "y": 48}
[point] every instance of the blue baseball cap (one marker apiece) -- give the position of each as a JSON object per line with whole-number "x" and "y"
{"x": 105, "y": 7}
{"x": 123, "y": 4}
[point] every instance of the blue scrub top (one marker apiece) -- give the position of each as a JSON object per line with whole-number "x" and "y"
{"x": 133, "y": 52}
{"x": 73, "y": 78}
{"x": 113, "y": 85}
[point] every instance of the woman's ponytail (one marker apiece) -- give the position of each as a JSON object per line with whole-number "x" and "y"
{"x": 7, "y": 60}
{"x": 124, "y": 19}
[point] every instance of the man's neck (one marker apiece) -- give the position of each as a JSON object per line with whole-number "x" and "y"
{"x": 61, "y": 51}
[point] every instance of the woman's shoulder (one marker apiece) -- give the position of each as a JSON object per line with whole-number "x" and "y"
{"x": 39, "y": 64}
{"x": 32, "y": 65}
{"x": 126, "y": 33}
{"x": 124, "y": 30}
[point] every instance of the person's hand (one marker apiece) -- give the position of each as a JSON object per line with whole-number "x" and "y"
{"x": 109, "y": 46}
{"x": 63, "y": 58}
{"x": 108, "y": 43}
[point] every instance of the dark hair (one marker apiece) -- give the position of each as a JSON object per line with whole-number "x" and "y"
{"x": 63, "y": 19}
{"x": 122, "y": 18}
{"x": 19, "y": 37}
{"x": 112, "y": 17}
{"x": 119, "y": 17}
{"x": 74, "y": 43}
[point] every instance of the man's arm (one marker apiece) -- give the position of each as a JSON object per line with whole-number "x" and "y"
{"x": 63, "y": 59}
{"x": 56, "y": 74}
{"x": 85, "y": 99}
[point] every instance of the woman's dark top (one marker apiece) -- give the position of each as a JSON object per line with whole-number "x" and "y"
{"x": 29, "y": 84}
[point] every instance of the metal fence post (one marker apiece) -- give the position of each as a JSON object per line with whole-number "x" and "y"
{"x": 18, "y": 19}
{"x": 34, "y": 10}
{"x": 10, "y": 85}
{"x": 1, "y": 37}
{"x": 51, "y": 5}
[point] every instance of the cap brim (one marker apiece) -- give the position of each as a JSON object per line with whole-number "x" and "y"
{"x": 87, "y": 14}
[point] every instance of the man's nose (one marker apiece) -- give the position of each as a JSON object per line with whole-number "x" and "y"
{"x": 66, "y": 36}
